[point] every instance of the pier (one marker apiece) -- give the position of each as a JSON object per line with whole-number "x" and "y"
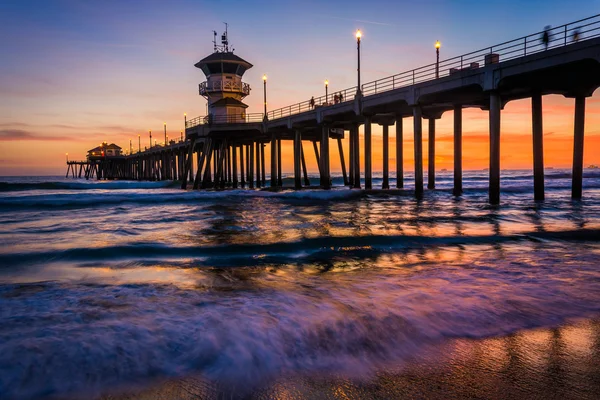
{"x": 226, "y": 149}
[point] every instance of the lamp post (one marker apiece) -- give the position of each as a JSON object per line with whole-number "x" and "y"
{"x": 326, "y": 89}
{"x": 437, "y": 60}
{"x": 165, "y": 125}
{"x": 139, "y": 144}
{"x": 184, "y": 120}
{"x": 265, "y": 95}
{"x": 150, "y": 132}
{"x": 181, "y": 136}
{"x": 130, "y": 147}
{"x": 358, "y": 36}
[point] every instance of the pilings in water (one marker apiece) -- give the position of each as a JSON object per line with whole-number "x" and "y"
{"x": 457, "y": 190}
{"x": 431, "y": 155}
{"x": 234, "y": 161}
{"x": 399, "y": 153}
{"x": 538, "y": 146}
{"x": 494, "y": 117}
{"x": 418, "y": 134}
{"x": 577, "y": 184}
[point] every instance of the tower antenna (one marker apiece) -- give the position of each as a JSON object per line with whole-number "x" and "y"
{"x": 215, "y": 41}
{"x": 224, "y": 39}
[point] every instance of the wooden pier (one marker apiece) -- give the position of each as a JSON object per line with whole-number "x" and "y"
{"x": 221, "y": 152}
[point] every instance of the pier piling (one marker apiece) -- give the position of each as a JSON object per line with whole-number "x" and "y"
{"x": 494, "y": 116}
{"x": 578, "y": 148}
{"x": 538, "y": 146}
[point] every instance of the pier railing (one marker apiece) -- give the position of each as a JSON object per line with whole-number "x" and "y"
{"x": 224, "y": 119}
{"x": 560, "y": 36}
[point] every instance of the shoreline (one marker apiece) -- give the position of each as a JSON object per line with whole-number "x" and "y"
{"x": 545, "y": 363}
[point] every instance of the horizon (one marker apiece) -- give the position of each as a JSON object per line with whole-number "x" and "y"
{"x": 143, "y": 78}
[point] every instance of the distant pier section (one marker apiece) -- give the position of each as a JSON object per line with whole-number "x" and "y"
{"x": 226, "y": 148}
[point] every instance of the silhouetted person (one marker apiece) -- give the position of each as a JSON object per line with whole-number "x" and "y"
{"x": 576, "y": 35}
{"x": 546, "y": 37}
{"x": 336, "y": 99}
{"x": 311, "y": 103}
{"x": 341, "y": 97}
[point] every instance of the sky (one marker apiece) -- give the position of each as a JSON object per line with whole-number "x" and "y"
{"x": 75, "y": 73}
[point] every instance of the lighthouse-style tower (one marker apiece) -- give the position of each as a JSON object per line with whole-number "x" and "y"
{"x": 224, "y": 89}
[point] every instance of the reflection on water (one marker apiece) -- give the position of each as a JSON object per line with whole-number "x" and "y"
{"x": 558, "y": 363}
{"x": 244, "y": 290}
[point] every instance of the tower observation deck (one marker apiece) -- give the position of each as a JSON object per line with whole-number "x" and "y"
{"x": 223, "y": 88}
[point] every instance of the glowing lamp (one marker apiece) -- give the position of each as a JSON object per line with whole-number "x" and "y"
{"x": 358, "y": 34}
{"x": 438, "y": 44}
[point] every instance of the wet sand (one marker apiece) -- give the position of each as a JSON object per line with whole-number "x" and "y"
{"x": 557, "y": 363}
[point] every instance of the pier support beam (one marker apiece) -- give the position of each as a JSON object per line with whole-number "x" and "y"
{"x": 399, "y": 153}
{"x": 386, "y": 157}
{"x": 258, "y": 168}
{"x": 351, "y": 157}
{"x": 457, "y": 191}
{"x": 368, "y": 156}
{"x": 279, "y": 177}
{"x": 538, "y": 146}
{"x": 418, "y": 132}
{"x": 342, "y": 161}
{"x": 576, "y": 189}
{"x": 297, "y": 157}
{"x": 242, "y": 167}
{"x": 431, "y": 155}
{"x": 494, "y": 191}
{"x": 356, "y": 158}
{"x": 273, "y": 161}
{"x": 262, "y": 165}
{"x": 235, "y": 168}
{"x": 251, "y": 166}
{"x": 305, "y": 172}
{"x": 325, "y": 167}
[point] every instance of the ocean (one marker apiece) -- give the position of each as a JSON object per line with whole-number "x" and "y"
{"x": 108, "y": 287}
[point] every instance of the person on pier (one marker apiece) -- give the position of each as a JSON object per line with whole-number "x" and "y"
{"x": 311, "y": 103}
{"x": 546, "y": 37}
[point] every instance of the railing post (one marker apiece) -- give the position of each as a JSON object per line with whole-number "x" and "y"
{"x": 461, "y": 62}
{"x": 375, "y": 86}
{"x": 393, "y": 82}
{"x": 525, "y": 46}
{"x": 413, "y": 71}
{"x": 565, "y": 35}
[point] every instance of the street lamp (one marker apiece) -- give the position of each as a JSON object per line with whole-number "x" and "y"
{"x": 165, "y": 125}
{"x": 139, "y": 144}
{"x": 181, "y": 136}
{"x": 265, "y": 95}
{"x": 130, "y": 148}
{"x": 326, "y": 88}
{"x": 150, "y": 132}
{"x": 184, "y": 120}
{"x": 358, "y": 36}
{"x": 437, "y": 61}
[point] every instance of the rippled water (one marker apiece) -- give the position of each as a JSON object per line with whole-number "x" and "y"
{"x": 103, "y": 284}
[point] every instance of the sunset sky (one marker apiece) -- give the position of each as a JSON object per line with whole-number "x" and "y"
{"x": 75, "y": 73}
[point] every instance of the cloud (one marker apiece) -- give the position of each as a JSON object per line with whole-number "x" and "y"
{"x": 9, "y": 135}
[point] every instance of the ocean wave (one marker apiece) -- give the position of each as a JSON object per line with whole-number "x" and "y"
{"x": 85, "y": 185}
{"x": 305, "y": 250}
{"x": 240, "y": 329}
